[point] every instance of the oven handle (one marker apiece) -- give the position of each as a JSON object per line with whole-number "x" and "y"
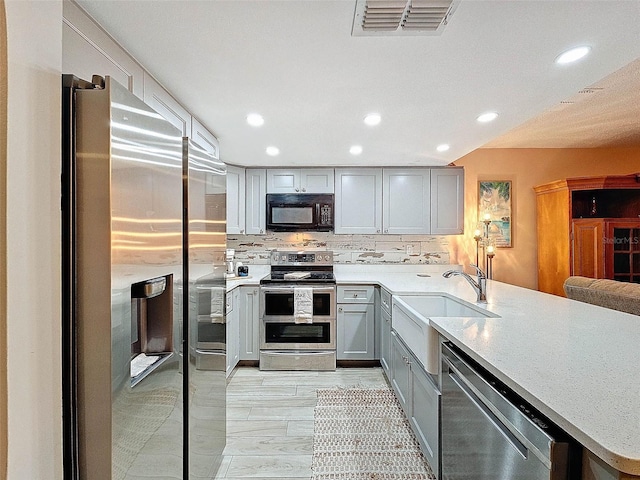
{"x": 290, "y": 289}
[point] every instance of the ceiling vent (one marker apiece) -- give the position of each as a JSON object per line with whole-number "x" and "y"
{"x": 401, "y": 17}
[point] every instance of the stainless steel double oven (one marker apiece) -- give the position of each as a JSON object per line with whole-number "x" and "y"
{"x": 287, "y": 344}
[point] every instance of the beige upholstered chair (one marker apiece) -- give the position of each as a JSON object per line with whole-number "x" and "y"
{"x": 621, "y": 296}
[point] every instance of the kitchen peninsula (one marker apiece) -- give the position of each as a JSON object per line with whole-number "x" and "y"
{"x": 576, "y": 363}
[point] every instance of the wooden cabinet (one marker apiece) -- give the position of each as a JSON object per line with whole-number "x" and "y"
{"x": 399, "y": 201}
{"x": 358, "y": 201}
{"x": 406, "y": 201}
{"x": 447, "y": 201}
{"x": 355, "y": 323}
{"x": 577, "y": 232}
{"x": 306, "y": 180}
{"x": 255, "y": 201}
{"x": 249, "y": 323}
{"x": 235, "y": 200}
{"x": 587, "y": 248}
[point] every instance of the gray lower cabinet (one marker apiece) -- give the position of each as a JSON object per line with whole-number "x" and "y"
{"x": 355, "y": 336}
{"x": 419, "y": 397}
{"x": 400, "y": 372}
{"x": 249, "y": 323}
{"x": 385, "y": 332}
{"x": 424, "y": 417}
{"x": 233, "y": 327}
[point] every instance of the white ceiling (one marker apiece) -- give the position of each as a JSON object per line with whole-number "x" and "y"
{"x": 296, "y": 63}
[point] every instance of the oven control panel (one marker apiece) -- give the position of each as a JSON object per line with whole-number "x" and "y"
{"x": 301, "y": 258}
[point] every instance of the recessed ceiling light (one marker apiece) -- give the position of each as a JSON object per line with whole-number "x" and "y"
{"x": 572, "y": 55}
{"x": 355, "y": 150}
{"x": 255, "y": 120}
{"x": 443, "y": 148}
{"x": 487, "y": 117}
{"x": 272, "y": 151}
{"x": 372, "y": 119}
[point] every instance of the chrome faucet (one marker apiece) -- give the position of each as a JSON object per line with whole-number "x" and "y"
{"x": 479, "y": 286}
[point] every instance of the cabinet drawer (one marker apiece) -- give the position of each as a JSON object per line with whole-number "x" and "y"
{"x": 385, "y": 300}
{"x": 355, "y": 294}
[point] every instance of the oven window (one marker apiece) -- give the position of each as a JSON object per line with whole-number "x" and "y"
{"x": 212, "y": 333}
{"x": 281, "y": 304}
{"x": 297, "y": 332}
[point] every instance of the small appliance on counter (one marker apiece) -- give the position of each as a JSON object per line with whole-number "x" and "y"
{"x": 230, "y": 254}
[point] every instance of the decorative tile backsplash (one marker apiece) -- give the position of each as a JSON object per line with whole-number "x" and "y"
{"x": 347, "y": 249}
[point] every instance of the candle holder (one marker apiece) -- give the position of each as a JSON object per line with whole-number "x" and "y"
{"x": 481, "y": 236}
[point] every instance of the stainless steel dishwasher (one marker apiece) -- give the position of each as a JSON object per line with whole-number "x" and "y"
{"x": 490, "y": 433}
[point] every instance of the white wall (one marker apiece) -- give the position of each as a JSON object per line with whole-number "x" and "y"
{"x": 33, "y": 244}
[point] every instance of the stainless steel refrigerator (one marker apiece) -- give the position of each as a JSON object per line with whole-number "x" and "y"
{"x": 143, "y": 222}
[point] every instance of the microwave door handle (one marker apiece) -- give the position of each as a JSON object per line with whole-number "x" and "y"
{"x": 318, "y": 220}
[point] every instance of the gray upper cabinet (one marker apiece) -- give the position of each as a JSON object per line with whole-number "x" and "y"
{"x": 162, "y": 102}
{"x": 235, "y": 200}
{"x": 447, "y": 201}
{"x": 204, "y": 138}
{"x": 358, "y": 201}
{"x": 256, "y": 201}
{"x": 406, "y": 201}
{"x": 305, "y": 180}
{"x": 87, "y": 50}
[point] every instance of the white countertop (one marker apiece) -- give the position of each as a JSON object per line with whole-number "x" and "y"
{"x": 577, "y": 363}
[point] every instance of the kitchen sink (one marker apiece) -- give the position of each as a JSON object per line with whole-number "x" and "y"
{"x": 410, "y": 319}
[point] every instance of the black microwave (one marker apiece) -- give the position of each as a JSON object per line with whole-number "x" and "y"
{"x": 296, "y": 212}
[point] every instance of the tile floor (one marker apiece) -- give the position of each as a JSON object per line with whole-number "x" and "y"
{"x": 270, "y": 420}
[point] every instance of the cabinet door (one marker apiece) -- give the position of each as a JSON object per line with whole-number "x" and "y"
{"x": 447, "y": 201}
{"x": 316, "y": 180}
{"x": 385, "y": 342}
{"x": 256, "y": 201}
{"x": 355, "y": 338}
{"x": 249, "y": 323}
{"x": 203, "y": 137}
{"x": 406, "y": 201}
{"x": 162, "y": 102}
{"x": 587, "y": 248}
{"x": 425, "y": 414}
{"x": 233, "y": 330}
{"x": 358, "y": 201}
{"x": 88, "y": 50}
{"x": 235, "y": 200}
{"x": 400, "y": 372}
{"x": 622, "y": 250}
{"x": 283, "y": 181}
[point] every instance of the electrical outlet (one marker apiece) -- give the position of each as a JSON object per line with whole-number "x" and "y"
{"x": 409, "y": 249}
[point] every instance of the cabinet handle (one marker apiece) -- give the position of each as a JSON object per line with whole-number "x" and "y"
{"x": 297, "y": 189}
{"x": 261, "y": 231}
{"x": 340, "y": 309}
{"x": 386, "y": 230}
{"x": 355, "y": 295}
{"x": 378, "y": 231}
{"x": 242, "y": 230}
{"x": 304, "y": 189}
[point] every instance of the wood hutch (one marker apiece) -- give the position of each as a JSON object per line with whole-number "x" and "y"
{"x": 588, "y": 226}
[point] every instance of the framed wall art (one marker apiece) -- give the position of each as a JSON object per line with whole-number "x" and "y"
{"x": 494, "y": 205}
